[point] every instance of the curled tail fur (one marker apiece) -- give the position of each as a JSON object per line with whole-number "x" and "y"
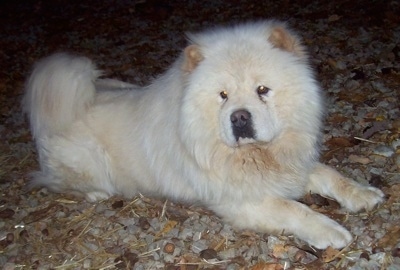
{"x": 58, "y": 92}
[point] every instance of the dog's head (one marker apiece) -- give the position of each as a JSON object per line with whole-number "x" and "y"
{"x": 247, "y": 84}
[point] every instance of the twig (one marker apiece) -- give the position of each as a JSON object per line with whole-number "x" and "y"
{"x": 364, "y": 140}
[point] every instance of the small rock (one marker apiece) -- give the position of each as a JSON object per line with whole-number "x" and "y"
{"x": 92, "y": 246}
{"x": 359, "y": 159}
{"x": 226, "y": 231}
{"x": 9, "y": 266}
{"x": 397, "y": 161}
{"x": 377, "y": 171}
{"x": 351, "y": 84}
{"x": 227, "y": 254}
{"x": 87, "y": 264}
{"x": 197, "y": 236}
{"x": 109, "y": 213}
{"x": 169, "y": 258}
{"x": 173, "y": 233}
{"x": 100, "y": 207}
{"x": 378, "y": 257}
{"x": 380, "y": 87}
{"x": 186, "y": 233}
{"x": 149, "y": 239}
{"x": 127, "y": 222}
{"x": 396, "y": 144}
{"x": 384, "y": 150}
{"x": 264, "y": 247}
{"x": 253, "y": 251}
{"x": 96, "y": 231}
{"x": 341, "y": 65}
{"x": 233, "y": 266}
{"x": 33, "y": 203}
{"x": 199, "y": 246}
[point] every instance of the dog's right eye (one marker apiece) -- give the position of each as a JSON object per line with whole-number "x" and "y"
{"x": 223, "y": 94}
{"x": 262, "y": 90}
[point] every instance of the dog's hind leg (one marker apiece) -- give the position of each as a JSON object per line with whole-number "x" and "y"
{"x": 75, "y": 163}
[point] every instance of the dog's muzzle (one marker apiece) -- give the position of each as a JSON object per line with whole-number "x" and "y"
{"x": 242, "y": 124}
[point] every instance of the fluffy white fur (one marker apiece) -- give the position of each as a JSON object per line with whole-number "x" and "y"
{"x": 174, "y": 138}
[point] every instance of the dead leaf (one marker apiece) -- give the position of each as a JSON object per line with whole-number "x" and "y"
{"x": 352, "y": 97}
{"x": 168, "y": 227}
{"x": 330, "y": 254}
{"x": 337, "y": 119}
{"x": 339, "y": 142}
{"x": 42, "y": 213}
{"x": 187, "y": 261}
{"x": 7, "y": 213}
{"x": 267, "y": 266}
{"x": 377, "y": 126}
{"x": 314, "y": 199}
{"x": 117, "y": 204}
{"x": 279, "y": 250}
{"x": 393, "y": 193}
{"x": 333, "y": 18}
{"x": 391, "y": 238}
{"x": 208, "y": 254}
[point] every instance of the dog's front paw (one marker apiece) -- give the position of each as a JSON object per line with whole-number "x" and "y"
{"x": 348, "y": 193}
{"x": 362, "y": 197}
{"x": 327, "y": 233}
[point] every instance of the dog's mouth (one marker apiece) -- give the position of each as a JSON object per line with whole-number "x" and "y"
{"x": 242, "y": 126}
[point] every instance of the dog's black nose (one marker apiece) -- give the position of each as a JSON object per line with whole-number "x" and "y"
{"x": 242, "y": 125}
{"x": 240, "y": 118}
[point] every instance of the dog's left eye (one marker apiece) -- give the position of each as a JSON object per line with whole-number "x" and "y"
{"x": 223, "y": 94}
{"x": 262, "y": 90}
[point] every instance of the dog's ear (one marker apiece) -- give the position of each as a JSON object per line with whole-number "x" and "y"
{"x": 192, "y": 58}
{"x": 281, "y": 38}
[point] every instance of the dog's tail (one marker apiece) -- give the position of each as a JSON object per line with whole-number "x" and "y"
{"x": 59, "y": 90}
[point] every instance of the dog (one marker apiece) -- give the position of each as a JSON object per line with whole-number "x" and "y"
{"x": 234, "y": 124}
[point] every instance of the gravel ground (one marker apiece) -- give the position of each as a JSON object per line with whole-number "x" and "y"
{"x": 355, "y": 49}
